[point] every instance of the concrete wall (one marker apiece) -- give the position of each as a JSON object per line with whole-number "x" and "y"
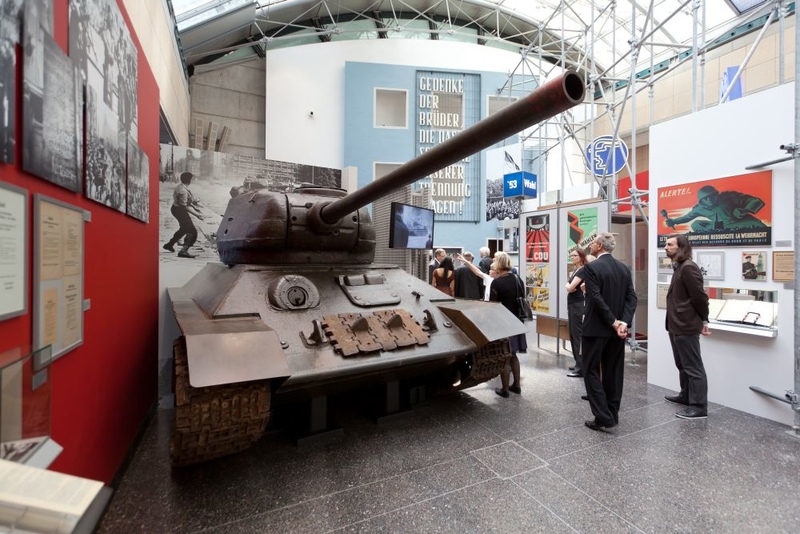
{"x": 232, "y": 97}
{"x": 150, "y": 19}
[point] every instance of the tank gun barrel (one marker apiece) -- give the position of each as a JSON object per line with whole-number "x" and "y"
{"x": 543, "y": 103}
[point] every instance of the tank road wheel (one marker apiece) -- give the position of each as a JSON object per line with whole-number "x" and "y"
{"x": 214, "y": 421}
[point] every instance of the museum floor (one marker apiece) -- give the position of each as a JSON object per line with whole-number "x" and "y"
{"x": 475, "y": 462}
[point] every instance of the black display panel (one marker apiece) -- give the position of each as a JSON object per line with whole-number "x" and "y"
{"x": 411, "y": 227}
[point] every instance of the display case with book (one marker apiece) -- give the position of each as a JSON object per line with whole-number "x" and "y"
{"x": 33, "y": 499}
{"x": 745, "y": 311}
{"x": 25, "y": 409}
{"x": 36, "y": 500}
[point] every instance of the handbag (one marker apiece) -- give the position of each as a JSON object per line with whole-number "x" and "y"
{"x": 524, "y": 311}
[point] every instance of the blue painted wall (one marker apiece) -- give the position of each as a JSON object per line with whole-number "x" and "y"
{"x": 364, "y": 145}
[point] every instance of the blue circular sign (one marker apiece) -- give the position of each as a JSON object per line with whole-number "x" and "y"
{"x": 606, "y": 156}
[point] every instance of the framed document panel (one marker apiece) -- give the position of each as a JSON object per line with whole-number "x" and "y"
{"x": 13, "y": 253}
{"x": 712, "y": 264}
{"x": 663, "y": 263}
{"x": 783, "y": 266}
{"x": 58, "y": 276}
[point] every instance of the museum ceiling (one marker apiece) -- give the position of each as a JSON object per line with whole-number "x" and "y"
{"x": 609, "y": 39}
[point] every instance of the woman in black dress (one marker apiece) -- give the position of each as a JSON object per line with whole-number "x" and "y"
{"x": 506, "y": 288}
{"x": 575, "y": 307}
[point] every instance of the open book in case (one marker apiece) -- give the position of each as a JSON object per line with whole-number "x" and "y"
{"x": 750, "y": 312}
{"x": 743, "y": 307}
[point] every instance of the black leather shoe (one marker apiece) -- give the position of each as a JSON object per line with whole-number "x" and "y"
{"x": 575, "y": 374}
{"x": 677, "y": 399}
{"x": 515, "y": 389}
{"x": 594, "y": 425}
{"x": 168, "y": 247}
{"x": 183, "y": 254}
{"x": 502, "y": 393}
{"x": 585, "y": 397}
{"x": 692, "y": 412}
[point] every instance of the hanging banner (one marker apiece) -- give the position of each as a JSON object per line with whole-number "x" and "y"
{"x": 732, "y": 211}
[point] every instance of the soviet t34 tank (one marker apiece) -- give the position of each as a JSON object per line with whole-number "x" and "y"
{"x": 297, "y": 310}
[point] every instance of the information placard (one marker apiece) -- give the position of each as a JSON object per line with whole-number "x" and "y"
{"x": 783, "y": 266}
{"x": 13, "y": 256}
{"x": 58, "y": 274}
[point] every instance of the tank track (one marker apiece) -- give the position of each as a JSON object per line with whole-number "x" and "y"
{"x": 215, "y": 421}
{"x": 485, "y": 364}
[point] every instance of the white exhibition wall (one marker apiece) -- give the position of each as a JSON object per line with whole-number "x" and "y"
{"x": 302, "y": 79}
{"x": 716, "y": 143}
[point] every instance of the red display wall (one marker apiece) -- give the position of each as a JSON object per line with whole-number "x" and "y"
{"x": 102, "y": 391}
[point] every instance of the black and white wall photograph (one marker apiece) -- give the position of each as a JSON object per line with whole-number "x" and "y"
{"x": 60, "y": 118}
{"x": 101, "y": 44}
{"x": 105, "y": 151}
{"x": 34, "y": 154}
{"x": 138, "y": 182}
{"x": 8, "y": 84}
{"x": 497, "y": 207}
{"x": 216, "y": 178}
{"x": 11, "y": 13}
{"x": 499, "y": 162}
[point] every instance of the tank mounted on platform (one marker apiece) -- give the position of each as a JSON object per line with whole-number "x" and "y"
{"x": 297, "y": 310}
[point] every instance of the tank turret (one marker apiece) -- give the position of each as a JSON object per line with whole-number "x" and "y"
{"x": 318, "y": 225}
{"x": 296, "y": 310}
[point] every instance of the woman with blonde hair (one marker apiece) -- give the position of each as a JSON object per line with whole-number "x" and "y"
{"x": 506, "y": 288}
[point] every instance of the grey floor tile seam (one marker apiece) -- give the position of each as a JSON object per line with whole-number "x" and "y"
{"x": 543, "y": 505}
{"x": 416, "y": 503}
{"x": 498, "y": 475}
{"x": 614, "y": 437}
{"x": 372, "y": 483}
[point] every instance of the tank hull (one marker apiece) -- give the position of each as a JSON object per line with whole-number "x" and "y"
{"x": 254, "y": 335}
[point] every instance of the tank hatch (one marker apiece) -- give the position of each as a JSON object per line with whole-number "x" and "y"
{"x": 368, "y": 289}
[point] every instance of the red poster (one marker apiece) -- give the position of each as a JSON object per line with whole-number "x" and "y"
{"x": 537, "y": 238}
{"x": 732, "y": 211}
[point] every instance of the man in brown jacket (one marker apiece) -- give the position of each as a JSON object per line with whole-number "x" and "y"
{"x": 687, "y": 318}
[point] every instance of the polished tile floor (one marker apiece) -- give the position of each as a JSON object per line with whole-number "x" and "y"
{"x": 475, "y": 462}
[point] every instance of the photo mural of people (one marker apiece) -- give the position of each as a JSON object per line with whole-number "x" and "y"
{"x": 102, "y": 46}
{"x": 499, "y": 162}
{"x": 216, "y": 178}
{"x": 732, "y": 211}
{"x": 138, "y": 182}
{"x": 105, "y": 152}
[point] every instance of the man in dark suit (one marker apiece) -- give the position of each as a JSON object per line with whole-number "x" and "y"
{"x": 687, "y": 318}
{"x": 468, "y": 286}
{"x": 438, "y": 256}
{"x": 610, "y": 305}
{"x": 486, "y": 259}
